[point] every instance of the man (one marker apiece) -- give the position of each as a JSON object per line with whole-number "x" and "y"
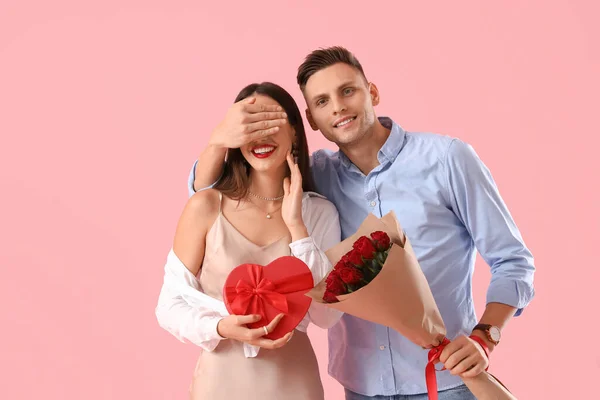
{"x": 446, "y": 201}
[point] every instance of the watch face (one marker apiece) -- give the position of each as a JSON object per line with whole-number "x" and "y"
{"x": 495, "y": 333}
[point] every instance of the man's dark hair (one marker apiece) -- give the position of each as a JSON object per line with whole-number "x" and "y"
{"x": 323, "y": 58}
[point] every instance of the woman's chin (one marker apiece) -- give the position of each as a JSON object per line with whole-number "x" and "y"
{"x": 267, "y": 166}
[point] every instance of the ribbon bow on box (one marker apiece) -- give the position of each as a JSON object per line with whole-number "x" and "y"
{"x": 278, "y": 287}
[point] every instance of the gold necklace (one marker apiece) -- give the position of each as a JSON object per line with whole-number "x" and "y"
{"x": 268, "y": 213}
{"x": 265, "y": 198}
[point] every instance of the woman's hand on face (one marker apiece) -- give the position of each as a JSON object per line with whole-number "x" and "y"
{"x": 291, "y": 208}
{"x": 234, "y": 327}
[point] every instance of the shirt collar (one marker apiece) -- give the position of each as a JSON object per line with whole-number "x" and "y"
{"x": 390, "y": 149}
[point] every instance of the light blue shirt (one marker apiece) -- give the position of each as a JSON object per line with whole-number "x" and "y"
{"x": 449, "y": 206}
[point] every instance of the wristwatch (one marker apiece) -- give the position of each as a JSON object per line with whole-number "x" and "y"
{"x": 491, "y": 332}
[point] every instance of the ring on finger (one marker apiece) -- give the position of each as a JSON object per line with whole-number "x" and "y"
{"x": 266, "y": 330}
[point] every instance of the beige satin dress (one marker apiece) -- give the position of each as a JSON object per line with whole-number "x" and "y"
{"x": 290, "y": 372}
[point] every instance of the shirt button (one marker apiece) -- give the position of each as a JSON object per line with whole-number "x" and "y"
{"x": 381, "y": 347}
{"x": 373, "y": 203}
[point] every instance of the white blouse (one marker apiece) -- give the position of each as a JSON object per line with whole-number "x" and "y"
{"x": 187, "y": 313}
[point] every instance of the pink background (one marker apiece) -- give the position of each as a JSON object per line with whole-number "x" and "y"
{"x": 104, "y": 105}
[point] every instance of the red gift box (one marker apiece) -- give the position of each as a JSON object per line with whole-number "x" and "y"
{"x": 268, "y": 291}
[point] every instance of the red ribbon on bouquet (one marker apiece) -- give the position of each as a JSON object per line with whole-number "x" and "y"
{"x": 434, "y": 355}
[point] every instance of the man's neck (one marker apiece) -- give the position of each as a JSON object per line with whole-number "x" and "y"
{"x": 363, "y": 153}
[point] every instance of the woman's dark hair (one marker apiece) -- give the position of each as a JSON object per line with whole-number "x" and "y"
{"x": 234, "y": 182}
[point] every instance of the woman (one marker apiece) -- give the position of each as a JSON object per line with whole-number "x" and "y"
{"x": 262, "y": 208}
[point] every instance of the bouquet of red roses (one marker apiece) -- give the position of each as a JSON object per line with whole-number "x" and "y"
{"x": 377, "y": 277}
{"x": 359, "y": 266}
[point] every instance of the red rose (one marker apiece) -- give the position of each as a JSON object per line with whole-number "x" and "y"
{"x": 381, "y": 240}
{"x": 340, "y": 263}
{"x": 365, "y": 247}
{"x": 333, "y": 275}
{"x": 330, "y": 297}
{"x": 353, "y": 257}
{"x": 344, "y": 261}
{"x": 350, "y": 275}
{"x": 335, "y": 285}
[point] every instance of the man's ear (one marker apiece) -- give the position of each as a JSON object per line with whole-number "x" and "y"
{"x": 310, "y": 120}
{"x": 374, "y": 92}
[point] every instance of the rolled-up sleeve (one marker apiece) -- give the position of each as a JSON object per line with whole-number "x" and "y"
{"x": 322, "y": 221}
{"x": 192, "y": 178}
{"x": 477, "y": 202}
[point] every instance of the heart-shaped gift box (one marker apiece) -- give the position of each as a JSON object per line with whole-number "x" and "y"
{"x": 278, "y": 287}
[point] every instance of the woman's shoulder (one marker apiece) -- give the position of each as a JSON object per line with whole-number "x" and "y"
{"x": 205, "y": 202}
{"x": 315, "y": 203}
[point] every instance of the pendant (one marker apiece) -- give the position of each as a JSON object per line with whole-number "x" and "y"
{"x": 268, "y": 216}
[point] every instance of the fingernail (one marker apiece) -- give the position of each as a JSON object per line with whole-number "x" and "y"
{"x": 284, "y": 115}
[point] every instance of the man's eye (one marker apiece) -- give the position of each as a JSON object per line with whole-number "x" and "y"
{"x": 348, "y": 91}
{"x": 320, "y": 102}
